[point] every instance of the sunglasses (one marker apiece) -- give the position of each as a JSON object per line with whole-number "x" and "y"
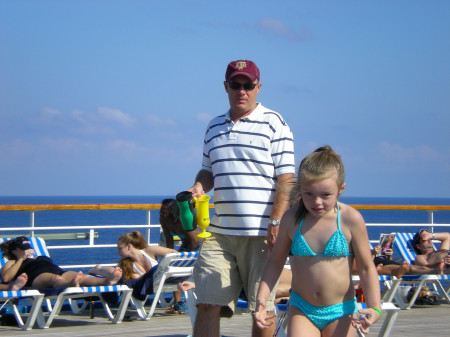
{"x": 246, "y": 86}
{"x": 417, "y": 236}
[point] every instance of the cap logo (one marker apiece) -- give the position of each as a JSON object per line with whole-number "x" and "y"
{"x": 241, "y": 65}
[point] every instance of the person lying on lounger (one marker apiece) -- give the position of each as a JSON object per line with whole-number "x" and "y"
{"x": 387, "y": 266}
{"x": 427, "y": 256}
{"x": 41, "y": 271}
{"x": 138, "y": 263}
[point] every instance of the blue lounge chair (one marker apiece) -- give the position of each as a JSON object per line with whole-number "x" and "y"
{"x": 403, "y": 243}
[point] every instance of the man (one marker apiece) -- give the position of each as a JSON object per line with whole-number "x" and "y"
{"x": 248, "y": 158}
{"x": 427, "y": 256}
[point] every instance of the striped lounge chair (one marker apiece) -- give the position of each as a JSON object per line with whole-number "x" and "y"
{"x": 55, "y": 297}
{"x": 403, "y": 243}
{"x": 172, "y": 269}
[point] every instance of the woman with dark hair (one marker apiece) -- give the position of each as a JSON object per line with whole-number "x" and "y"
{"x": 41, "y": 272}
{"x": 169, "y": 218}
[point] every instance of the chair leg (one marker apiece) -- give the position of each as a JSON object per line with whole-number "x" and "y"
{"x": 56, "y": 309}
{"x": 140, "y": 308}
{"x": 156, "y": 298}
{"x": 389, "y": 322}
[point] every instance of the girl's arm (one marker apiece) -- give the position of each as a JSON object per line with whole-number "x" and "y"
{"x": 158, "y": 251}
{"x": 272, "y": 270}
{"x": 167, "y": 235}
{"x": 192, "y": 238}
{"x": 366, "y": 268}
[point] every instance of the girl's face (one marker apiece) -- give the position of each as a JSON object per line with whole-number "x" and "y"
{"x": 123, "y": 250}
{"x": 320, "y": 196}
{"x": 164, "y": 211}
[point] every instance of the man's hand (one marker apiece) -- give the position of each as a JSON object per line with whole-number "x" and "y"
{"x": 272, "y": 233}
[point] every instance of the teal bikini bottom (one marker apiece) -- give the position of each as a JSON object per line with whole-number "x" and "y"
{"x": 322, "y": 316}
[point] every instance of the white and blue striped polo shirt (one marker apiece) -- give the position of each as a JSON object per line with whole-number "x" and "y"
{"x": 245, "y": 157}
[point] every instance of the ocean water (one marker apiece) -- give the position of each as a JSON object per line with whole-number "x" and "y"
{"x": 138, "y": 217}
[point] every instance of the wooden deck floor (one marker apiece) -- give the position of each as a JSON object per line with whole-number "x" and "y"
{"x": 419, "y": 321}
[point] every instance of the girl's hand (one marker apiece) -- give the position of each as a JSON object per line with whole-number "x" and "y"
{"x": 365, "y": 318}
{"x": 262, "y": 317}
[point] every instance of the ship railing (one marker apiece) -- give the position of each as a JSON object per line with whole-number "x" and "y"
{"x": 92, "y": 231}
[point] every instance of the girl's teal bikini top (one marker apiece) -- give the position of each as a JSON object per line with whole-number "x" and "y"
{"x": 337, "y": 246}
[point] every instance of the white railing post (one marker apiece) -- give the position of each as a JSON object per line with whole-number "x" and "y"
{"x": 148, "y": 222}
{"x": 431, "y": 220}
{"x": 32, "y": 222}
{"x": 91, "y": 237}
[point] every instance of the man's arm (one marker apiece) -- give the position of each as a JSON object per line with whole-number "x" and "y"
{"x": 204, "y": 183}
{"x": 444, "y": 237}
{"x": 285, "y": 182}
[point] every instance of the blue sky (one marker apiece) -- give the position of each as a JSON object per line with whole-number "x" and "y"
{"x": 113, "y": 97}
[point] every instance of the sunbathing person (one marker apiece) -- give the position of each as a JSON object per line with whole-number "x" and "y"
{"x": 41, "y": 271}
{"x": 15, "y": 285}
{"x": 385, "y": 265}
{"x": 138, "y": 263}
{"x": 427, "y": 256}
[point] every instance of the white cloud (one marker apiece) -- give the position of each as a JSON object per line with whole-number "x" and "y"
{"x": 116, "y": 115}
{"x": 279, "y": 28}
{"x": 50, "y": 113}
{"x": 157, "y": 121}
{"x": 410, "y": 158}
{"x": 15, "y": 152}
{"x": 203, "y": 117}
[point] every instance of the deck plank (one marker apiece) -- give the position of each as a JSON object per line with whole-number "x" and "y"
{"x": 419, "y": 321}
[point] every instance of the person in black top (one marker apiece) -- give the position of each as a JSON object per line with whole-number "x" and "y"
{"x": 41, "y": 271}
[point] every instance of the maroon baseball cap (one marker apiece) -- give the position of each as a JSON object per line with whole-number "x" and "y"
{"x": 242, "y": 67}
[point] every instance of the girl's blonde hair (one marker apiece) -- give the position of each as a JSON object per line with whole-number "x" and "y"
{"x": 135, "y": 238}
{"x": 319, "y": 165}
{"x": 127, "y": 268}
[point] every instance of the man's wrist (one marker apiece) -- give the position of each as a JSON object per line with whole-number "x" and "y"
{"x": 274, "y": 222}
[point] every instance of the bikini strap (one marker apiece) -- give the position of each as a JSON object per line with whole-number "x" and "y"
{"x": 338, "y": 216}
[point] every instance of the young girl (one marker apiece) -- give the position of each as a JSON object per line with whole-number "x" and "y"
{"x": 324, "y": 237}
{"x": 138, "y": 263}
{"x": 137, "y": 257}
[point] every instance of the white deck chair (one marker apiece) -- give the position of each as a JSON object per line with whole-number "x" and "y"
{"x": 172, "y": 269}
{"x": 403, "y": 243}
{"x": 74, "y": 293}
{"x": 10, "y": 297}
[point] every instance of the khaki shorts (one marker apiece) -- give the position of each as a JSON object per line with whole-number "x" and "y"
{"x": 226, "y": 265}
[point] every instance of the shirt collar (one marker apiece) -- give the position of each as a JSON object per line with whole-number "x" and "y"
{"x": 252, "y": 116}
